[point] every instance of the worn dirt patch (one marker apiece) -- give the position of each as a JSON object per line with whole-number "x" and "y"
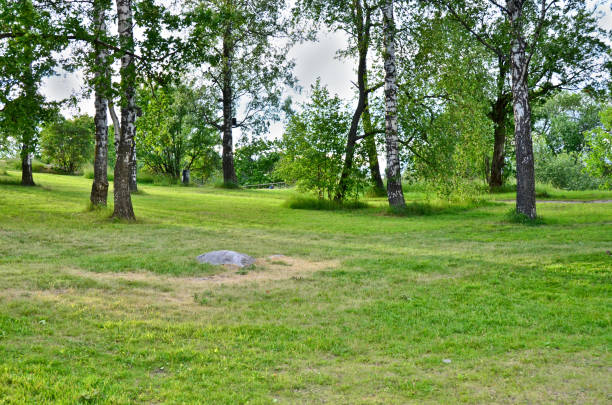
{"x": 565, "y": 201}
{"x": 273, "y": 268}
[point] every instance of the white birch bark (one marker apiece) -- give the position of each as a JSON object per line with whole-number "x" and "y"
{"x": 123, "y": 202}
{"x": 99, "y": 188}
{"x": 395, "y": 192}
{"x": 525, "y": 173}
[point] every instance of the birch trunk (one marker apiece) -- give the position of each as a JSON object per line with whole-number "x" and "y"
{"x": 27, "y": 179}
{"x": 123, "y": 201}
{"x": 133, "y": 168}
{"x": 229, "y": 172}
{"x": 395, "y": 192}
{"x": 99, "y": 188}
{"x": 525, "y": 175}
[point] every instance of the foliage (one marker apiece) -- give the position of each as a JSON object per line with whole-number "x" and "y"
{"x": 565, "y": 171}
{"x": 563, "y": 120}
{"x": 599, "y": 143}
{"x": 256, "y": 160}
{"x": 512, "y": 216}
{"x": 171, "y": 135}
{"x": 443, "y": 107}
{"x": 68, "y": 143}
{"x": 248, "y": 55}
{"x": 24, "y": 61}
{"x": 314, "y": 143}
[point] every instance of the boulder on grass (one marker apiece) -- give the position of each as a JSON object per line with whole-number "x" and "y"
{"x": 219, "y": 257}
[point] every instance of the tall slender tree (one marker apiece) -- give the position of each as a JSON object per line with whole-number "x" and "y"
{"x": 395, "y": 193}
{"x": 245, "y": 76}
{"x": 27, "y": 47}
{"x": 99, "y": 188}
{"x": 123, "y": 202}
{"x": 568, "y": 53}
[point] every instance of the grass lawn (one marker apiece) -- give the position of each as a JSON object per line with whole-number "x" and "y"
{"x": 456, "y": 307}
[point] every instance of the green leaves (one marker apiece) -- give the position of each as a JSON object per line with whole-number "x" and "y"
{"x": 314, "y": 143}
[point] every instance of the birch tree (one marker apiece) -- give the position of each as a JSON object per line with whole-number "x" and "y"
{"x": 395, "y": 193}
{"x": 568, "y": 53}
{"x": 123, "y": 201}
{"x": 99, "y": 188}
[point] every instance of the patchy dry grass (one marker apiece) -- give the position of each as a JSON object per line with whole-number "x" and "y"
{"x": 342, "y": 307}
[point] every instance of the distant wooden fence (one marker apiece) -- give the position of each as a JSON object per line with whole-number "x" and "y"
{"x": 266, "y": 185}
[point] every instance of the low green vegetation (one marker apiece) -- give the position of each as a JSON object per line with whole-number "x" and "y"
{"x": 458, "y": 306}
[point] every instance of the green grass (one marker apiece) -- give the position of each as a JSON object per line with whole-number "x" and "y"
{"x": 305, "y": 202}
{"x": 97, "y": 311}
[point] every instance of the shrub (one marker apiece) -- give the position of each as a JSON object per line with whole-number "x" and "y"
{"x": 564, "y": 171}
{"x": 68, "y": 144}
{"x": 515, "y": 217}
{"x": 314, "y": 147}
{"x": 599, "y": 142}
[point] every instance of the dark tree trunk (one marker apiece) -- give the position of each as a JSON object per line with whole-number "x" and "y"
{"x": 27, "y": 179}
{"x": 229, "y": 172}
{"x": 363, "y": 43}
{"x": 499, "y": 115}
{"x": 123, "y": 202}
{"x": 99, "y": 188}
{"x": 395, "y": 192}
{"x": 525, "y": 175}
{"x": 370, "y": 143}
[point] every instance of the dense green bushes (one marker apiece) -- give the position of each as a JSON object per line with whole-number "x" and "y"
{"x": 565, "y": 171}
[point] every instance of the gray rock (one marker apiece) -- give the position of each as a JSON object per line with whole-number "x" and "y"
{"x": 226, "y": 257}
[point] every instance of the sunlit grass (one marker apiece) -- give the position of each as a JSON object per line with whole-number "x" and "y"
{"x": 97, "y": 311}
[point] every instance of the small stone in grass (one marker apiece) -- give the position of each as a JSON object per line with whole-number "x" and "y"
{"x": 226, "y": 257}
{"x": 446, "y": 361}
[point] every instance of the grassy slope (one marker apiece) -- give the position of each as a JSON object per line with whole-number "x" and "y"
{"x": 523, "y": 313}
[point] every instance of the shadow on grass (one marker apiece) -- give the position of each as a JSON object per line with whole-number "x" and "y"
{"x": 514, "y": 217}
{"x": 311, "y": 203}
{"x": 414, "y": 209}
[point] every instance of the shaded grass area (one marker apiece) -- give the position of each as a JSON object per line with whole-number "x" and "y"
{"x": 302, "y": 202}
{"x": 523, "y": 313}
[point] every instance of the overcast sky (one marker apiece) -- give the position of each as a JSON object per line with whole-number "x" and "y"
{"x": 313, "y": 59}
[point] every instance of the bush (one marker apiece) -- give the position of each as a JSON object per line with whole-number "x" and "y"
{"x": 314, "y": 146}
{"x": 514, "y": 217}
{"x": 312, "y": 203}
{"x": 564, "y": 171}
{"x": 68, "y": 144}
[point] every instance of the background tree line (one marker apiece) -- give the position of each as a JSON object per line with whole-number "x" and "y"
{"x": 451, "y": 93}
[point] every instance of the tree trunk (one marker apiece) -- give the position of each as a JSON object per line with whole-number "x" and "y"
{"x": 363, "y": 43}
{"x": 133, "y": 168}
{"x": 525, "y": 175}
{"x": 370, "y": 143}
{"x": 99, "y": 188}
{"x": 395, "y": 192}
{"x": 123, "y": 201}
{"x": 499, "y": 114}
{"x": 27, "y": 179}
{"x": 229, "y": 172}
